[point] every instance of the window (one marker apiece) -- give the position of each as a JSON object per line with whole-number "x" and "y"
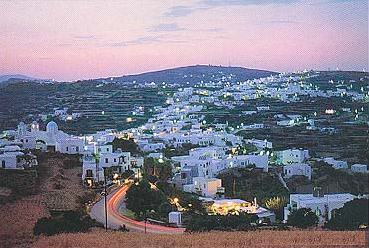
{"x": 3, "y": 164}
{"x": 88, "y": 173}
{"x": 106, "y": 160}
{"x": 115, "y": 160}
{"x": 77, "y": 148}
{"x": 67, "y": 148}
{"x": 107, "y": 149}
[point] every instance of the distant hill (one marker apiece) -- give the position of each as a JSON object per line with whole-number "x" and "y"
{"x": 4, "y": 78}
{"x": 195, "y": 74}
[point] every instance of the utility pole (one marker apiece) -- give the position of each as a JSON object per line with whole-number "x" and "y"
{"x": 234, "y": 186}
{"x": 145, "y": 223}
{"x": 105, "y": 202}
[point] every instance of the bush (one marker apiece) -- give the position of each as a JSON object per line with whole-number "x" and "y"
{"x": 69, "y": 221}
{"x": 302, "y": 218}
{"x": 350, "y": 216}
{"x": 241, "y": 222}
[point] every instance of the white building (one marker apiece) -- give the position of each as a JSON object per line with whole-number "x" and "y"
{"x": 8, "y": 161}
{"x": 207, "y": 187}
{"x": 17, "y": 160}
{"x": 359, "y": 168}
{"x": 224, "y": 206}
{"x": 297, "y": 170}
{"x": 293, "y": 156}
{"x": 322, "y": 206}
{"x": 260, "y": 143}
{"x": 52, "y": 139}
{"x": 175, "y": 218}
{"x": 93, "y": 165}
{"x": 337, "y": 164}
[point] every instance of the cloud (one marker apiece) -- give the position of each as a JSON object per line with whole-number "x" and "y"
{"x": 282, "y": 22}
{"x": 215, "y": 3}
{"x": 213, "y": 29}
{"x": 45, "y": 58}
{"x": 145, "y": 40}
{"x": 85, "y": 37}
{"x": 244, "y": 2}
{"x": 165, "y": 27}
{"x": 178, "y": 11}
{"x": 137, "y": 41}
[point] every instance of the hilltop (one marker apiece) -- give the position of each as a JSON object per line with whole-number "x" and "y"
{"x": 4, "y": 78}
{"x": 194, "y": 74}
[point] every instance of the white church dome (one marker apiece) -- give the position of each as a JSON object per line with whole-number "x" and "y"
{"x": 51, "y": 126}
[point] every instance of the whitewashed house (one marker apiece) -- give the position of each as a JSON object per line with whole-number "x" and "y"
{"x": 93, "y": 165}
{"x": 153, "y": 147}
{"x": 359, "y": 168}
{"x": 293, "y": 156}
{"x": 8, "y": 160}
{"x": 207, "y": 187}
{"x": 322, "y": 206}
{"x": 337, "y": 164}
{"x": 297, "y": 170}
{"x": 260, "y": 143}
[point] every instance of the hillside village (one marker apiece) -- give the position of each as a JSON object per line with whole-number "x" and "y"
{"x": 208, "y": 149}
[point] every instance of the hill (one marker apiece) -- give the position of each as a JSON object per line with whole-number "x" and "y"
{"x": 195, "y": 74}
{"x": 4, "y": 78}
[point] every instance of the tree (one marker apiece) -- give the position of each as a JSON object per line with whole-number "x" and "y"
{"x": 276, "y": 204}
{"x": 127, "y": 145}
{"x": 353, "y": 214}
{"x": 141, "y": 198}
{"x": 164, "y": 171}
{"x": 164, "y": 209}
{"x": 160, "y": 170}
{"x": 302, "y": 218}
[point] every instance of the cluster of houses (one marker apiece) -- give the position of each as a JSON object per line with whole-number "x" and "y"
{"x": 61, "y": 114}
{"x": 284, "y": 87}
{"x": 179, "y": 123}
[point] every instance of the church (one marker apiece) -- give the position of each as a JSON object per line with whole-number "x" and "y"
{"x": 52, "y": 139}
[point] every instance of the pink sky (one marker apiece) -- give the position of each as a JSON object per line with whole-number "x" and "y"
{"x": 69, "y": 40}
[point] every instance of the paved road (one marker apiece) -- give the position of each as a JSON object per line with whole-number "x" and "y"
{"x": 115, "y": 203}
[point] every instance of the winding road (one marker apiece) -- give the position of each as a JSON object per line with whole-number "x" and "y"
{"x": 117, "y": 219}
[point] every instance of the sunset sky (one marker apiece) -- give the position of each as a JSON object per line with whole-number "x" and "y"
{"x": 69, "y": 40}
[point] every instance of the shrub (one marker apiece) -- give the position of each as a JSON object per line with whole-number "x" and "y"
{"x": 350, "y": 216}
{"x": 302, "y": 218}
{"x": 69, "y": 221}
{"x": 240, "y": 222}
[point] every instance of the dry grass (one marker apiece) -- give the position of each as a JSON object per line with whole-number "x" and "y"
{"x": 17, "y": 219}
{"x": 299, "y": 239}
